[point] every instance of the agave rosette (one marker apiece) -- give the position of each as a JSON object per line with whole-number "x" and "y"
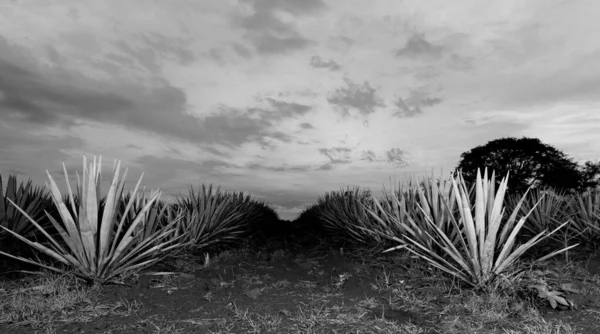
{"x": 32, "y": 200}
{"x": 477, "y": 254}
{"x": 342, "y": 211}
{"x": 99, "y": 246}
{"x": 585, "y": 216}
{"x": 403, "y": 212}
{"x": 551, "y": 210}
{"x": 215, "y": 217}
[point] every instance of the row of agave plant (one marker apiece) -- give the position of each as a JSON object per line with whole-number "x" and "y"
{"x": 99, "y": 239}
{"x": 464, "y": 231}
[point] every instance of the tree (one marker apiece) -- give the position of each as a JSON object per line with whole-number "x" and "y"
{"x": 590, "y": 172}
{"x": 529, "y": 161}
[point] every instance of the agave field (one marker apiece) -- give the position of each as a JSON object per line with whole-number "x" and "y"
{"x": 428, "y": 256}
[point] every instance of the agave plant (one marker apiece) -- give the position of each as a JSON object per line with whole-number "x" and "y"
{"x": 158, "y": 217}
{"x": 155, "y": 216}
{"x": 585, "y": 216}
{"x": 478, "y": 254}
{"x": 551, "y": 209}
{"x": 403, "y": 212}
{"x": 99, "y": 249}
{"x": 342, "y": 211}
{"x": 33, "y": 201}
{"x": 54, "y": 211}
{"x": 215, "y": 217}
{"x": 308, "y": 221}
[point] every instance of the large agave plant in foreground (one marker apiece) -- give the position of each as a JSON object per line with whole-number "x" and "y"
{"x": 474, "y": 253}
{"x": 99, "y": 250}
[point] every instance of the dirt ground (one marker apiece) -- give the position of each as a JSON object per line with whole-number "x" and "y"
{"x": 307, "y": 286}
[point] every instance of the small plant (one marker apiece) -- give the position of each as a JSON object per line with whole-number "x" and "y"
{"x": 537, "y": 281}
{"x": 554, "y": 297}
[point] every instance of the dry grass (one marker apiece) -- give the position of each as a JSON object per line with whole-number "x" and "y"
{"x": 42, "y": 303}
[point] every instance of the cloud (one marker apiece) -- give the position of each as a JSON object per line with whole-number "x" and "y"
{"x": 268, "y": 32}
{"x": 288, "y": 109}
{"x": 217, "y": 55}
{"x": 226, "y": 55}
{"x": 577, "y": 83}
{"x": 59, "y": 97}
{"x": 306, "y": 92}
{"x": 281, "y": 136}
{"x": 337, "y": 155}
{"x": 417, "y": 47}
{"x": 325, "y": 167}
{"x": 150, "y": 49}
{"x": 478, "y": 120}
{"x": 369, "y": 156}
{"x": 306, "y": 126}
{"x": 216, "y": 151}
{"x": 282, "y": 168}
{"x": 394, "y": 156}
{"x": 26, "y": 147}
{"x": 54, "y": 56}
{"x": 233, "y": 127}
{"x": 270, "y": 43}
{"x": 294, "y": 7}
{"x": 318, "y": 62}
{"x": 113, "y": 64}
{"x": 44, "y": 99}
{"x": 83, "y": 40}
{"x": 414, "y": 104}
{"x": 242, "y": 50}
{"x": 363, "y": 98}
{"x": 340, "y": 43}
{"x": 40, "y": 99}
{"x": 170, "y": 170}
{"x": 267, "y": 142}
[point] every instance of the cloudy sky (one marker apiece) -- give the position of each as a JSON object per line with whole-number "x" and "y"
{"x": 288, "y": 99}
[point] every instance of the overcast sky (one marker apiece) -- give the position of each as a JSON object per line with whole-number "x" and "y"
{"x": 288, "y": 99}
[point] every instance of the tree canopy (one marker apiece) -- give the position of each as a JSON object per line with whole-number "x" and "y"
{"x": 530, "y": 162}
